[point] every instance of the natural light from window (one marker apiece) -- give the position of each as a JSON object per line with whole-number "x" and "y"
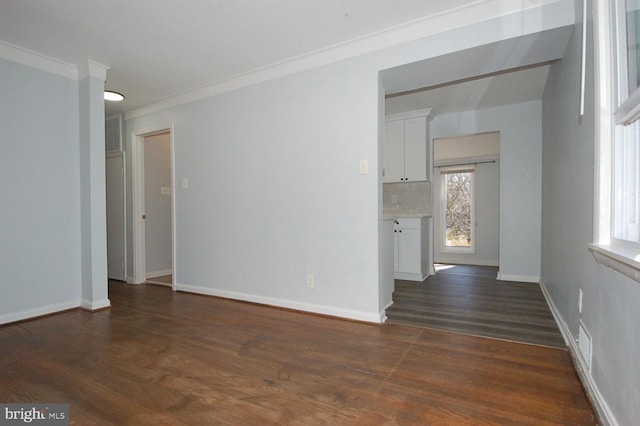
{"x": 458, "y": 207}
{"x": 617, "y": 227}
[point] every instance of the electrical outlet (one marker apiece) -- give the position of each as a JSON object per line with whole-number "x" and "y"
{"x": 311, "y": 281}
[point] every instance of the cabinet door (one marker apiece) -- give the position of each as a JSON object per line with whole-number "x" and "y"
{"x": 393, "y": 160}
{"x": 415, "y": 149}
{"x": 409, "y": 254}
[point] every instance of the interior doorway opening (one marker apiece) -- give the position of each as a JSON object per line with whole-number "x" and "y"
{"x": 466, "y": 199}
{"x": 153, "y": 207}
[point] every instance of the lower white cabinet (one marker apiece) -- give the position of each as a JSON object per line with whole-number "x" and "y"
{"x": 412, "y": 258}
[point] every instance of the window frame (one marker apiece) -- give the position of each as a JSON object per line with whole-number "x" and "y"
{"x": 444, "y": 170}
{"x": 616, "y": 108}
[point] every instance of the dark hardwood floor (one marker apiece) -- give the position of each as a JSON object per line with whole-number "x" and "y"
{"x": 469, "y": 299}
{"x": 159, "y": 357}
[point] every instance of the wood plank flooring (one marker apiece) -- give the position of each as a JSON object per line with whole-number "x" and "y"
{"x": 159, "y": 357}
{"x": 469, "y": 300}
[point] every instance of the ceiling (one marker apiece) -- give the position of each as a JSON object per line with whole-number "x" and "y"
{"x": 160, "y": 48}
{"x": 504, "y": 89}
{"x": 507, "y": 72}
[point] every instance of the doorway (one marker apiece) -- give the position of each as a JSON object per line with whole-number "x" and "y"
{"x": 153, "y": 207}
{"x": 466, "y": 199}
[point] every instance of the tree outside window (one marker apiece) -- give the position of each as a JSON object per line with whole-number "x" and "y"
{"x": 458, "y": 207}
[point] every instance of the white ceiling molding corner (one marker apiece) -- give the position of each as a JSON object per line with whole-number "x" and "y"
{"x": 93, "y": 69}
{"x": 37, "y": 60}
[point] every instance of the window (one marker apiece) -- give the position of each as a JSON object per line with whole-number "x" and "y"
{"x": 625, "y": 149}
{"x": 458, "y": 208}
{"x": 617, "y": 225}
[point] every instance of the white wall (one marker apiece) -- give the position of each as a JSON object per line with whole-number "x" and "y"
{"x": 275, "y": 191}
{"x": 40, "y": 256}
{"x": 262, "y": 160}
{"x": 520, "y": 179}
{"x": 610, "y": 300}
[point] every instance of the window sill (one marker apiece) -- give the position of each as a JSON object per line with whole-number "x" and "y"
{"x": 624, "y": 261}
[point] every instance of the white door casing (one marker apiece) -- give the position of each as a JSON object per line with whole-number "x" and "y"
{"x": 138, "y": 275}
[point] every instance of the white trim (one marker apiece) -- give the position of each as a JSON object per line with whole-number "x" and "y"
{"x": 583, "y": 61}
{"x": 624, "y": 261}
{"x": 93, "y": 69}
{"x": 629, "y": 111}
{"x": 462, "y": 16}
{"x": 114, "y": 154}
{"x": 138, "y": 274}
{"x": 94, "y": 306}
{"x": 383, "y": 313}
{"x": 409, "y": 114}
{"x": 376, "y": 318}
{"x": 32, "y": 59}
{"x": 161, "y": 273}
{"x": 600, "y": 404}
{"x": 471, "y": 261}
{"x": 603, "y": 126}
{"x": 137, "y": 223}
{"x": 38, "y": 312}
{"x": 518, "y": 278}
{"x": 409, "y": 276}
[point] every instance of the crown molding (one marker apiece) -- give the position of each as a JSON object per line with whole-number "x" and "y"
{"x": 37, "y": 60}
{"x": 93, "y": 69}
{"x": 27, "y": 57}
{"x": 469, "y": 14}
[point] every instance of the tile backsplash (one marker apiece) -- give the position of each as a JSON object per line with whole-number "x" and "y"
{"x": 407, "y": 198}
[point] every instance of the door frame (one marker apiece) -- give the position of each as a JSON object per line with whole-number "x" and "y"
{"x": 138, "y": 207}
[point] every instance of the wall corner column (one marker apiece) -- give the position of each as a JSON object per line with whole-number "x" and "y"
{"x": 93, "y": 217}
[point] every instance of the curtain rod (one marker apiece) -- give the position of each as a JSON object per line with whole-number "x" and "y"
{"x": 465, "y": 164}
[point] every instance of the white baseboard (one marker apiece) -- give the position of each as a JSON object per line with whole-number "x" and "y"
{"x": 408, "y": 276}
{"x": 161, "y": 273}
{"x": 94, "y": 306}
{"x": 376, "y": 318}
{"x": 518, "y": 278}
{"x": 38, "y": 312}
{"x": 600, "y": 405}
{"x": 383, "y": 312}
{"x": 470, "y": 261}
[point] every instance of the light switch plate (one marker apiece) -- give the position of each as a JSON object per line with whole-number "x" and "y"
{"x": 364, "y": 167}
{"x": 185, "y": 183}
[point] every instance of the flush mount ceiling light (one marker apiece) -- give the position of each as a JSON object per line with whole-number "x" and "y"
{"x": 110, "y": 95}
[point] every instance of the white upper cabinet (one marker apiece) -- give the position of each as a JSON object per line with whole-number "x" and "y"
{"x": 406, "y": 147}
{"x": 393, "y": 151}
